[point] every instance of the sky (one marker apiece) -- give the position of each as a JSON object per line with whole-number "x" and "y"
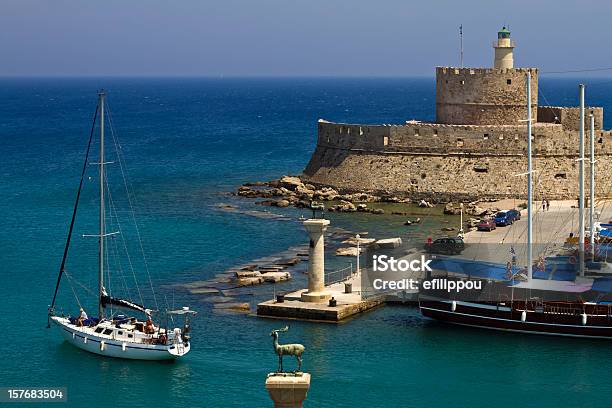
{"x": 293, "y": 37}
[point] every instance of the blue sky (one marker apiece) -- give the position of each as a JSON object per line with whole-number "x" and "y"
{"x": 301, "y": 38}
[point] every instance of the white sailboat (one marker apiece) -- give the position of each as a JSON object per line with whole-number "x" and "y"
{"x": 112, "y": 334}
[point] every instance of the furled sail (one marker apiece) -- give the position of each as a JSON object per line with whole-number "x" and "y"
{"x": 106, "y": 299}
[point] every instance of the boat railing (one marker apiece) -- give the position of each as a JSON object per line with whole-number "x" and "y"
{"x": 566, "y": 310}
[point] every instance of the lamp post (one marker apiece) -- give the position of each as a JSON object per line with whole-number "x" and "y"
{"x": 358, "y": 237}
{"x": 461, "y": 225}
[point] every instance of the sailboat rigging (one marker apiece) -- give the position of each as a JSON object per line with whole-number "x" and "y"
{"x": 114, "y": 335}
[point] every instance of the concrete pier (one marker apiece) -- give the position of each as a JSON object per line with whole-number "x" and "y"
{"x": 347, "y": 304}
{"x": 316, "y": 261}
{"x": 314, "y": 303}
{"x": 288, "y": 390}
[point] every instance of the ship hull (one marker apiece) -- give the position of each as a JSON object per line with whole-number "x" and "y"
{"x": 92, "y": 343}
{"x": 503, "y": 318}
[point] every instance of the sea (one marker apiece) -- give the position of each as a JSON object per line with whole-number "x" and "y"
{"x": 185, "y": 144}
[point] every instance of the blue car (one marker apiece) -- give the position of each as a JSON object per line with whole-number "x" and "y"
{"x": 504, "y": 218}
{"x": 516, "y": 214}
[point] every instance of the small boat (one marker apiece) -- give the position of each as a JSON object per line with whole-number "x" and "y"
{"x": 111, "y": 333}
{"x": 529, "y": 300}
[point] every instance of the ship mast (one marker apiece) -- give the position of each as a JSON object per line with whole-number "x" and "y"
{"x": 581, "y": 181}
{"x": 529, "y": 186}
{"x": 101, "y": 96}
{"x": 592, "y": 188}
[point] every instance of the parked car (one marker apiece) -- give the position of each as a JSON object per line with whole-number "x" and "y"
{"x": 487, "y": 224}
{"x": 515, "y": 213}
{"x": 503, "y": 218}
{"x": 448, "y": 246}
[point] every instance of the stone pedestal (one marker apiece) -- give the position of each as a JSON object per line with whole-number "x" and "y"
{"x": 288, "y": 390}
{"x": 316, "y": 262}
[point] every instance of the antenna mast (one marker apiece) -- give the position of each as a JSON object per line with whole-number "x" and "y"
{"x": 461, "y": 42}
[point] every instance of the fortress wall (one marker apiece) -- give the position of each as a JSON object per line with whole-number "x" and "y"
{"x": 569, "y": 118}
{"x": 450, "y": 178}
{"x": 445, "y": 161}
{"x": 417, "y": 137}
{"x": 483, "y": 96}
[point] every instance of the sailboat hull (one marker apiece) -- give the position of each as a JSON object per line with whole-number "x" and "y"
{"x": 86, "y": 339}
{"x": 495, "y": 317}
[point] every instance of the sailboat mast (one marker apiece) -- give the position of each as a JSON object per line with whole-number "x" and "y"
{"x": 581, "y": 181}
{"x": 529, "y": 185}
{"x": 592, "y": 187}
{"x": 101, "y": 96}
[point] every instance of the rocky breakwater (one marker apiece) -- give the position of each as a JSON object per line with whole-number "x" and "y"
{"x": 292, "y": 191}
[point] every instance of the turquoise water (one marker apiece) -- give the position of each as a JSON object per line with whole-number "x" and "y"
{"x": 187, "y": 142}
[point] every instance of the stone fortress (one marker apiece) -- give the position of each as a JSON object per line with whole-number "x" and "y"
{"x": 476, "y": 146}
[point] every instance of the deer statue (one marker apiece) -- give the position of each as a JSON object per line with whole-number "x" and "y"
{"x": 286, "y": 349}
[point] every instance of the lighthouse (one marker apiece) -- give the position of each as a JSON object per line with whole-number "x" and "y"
{"x": 503, "y": 50}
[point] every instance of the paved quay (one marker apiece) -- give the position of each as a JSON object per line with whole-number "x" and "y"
{"x": 551, "y": 229}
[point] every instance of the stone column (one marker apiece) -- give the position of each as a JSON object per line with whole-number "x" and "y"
{"x": 316, "y": 261}
{"x": 288, "y": 390}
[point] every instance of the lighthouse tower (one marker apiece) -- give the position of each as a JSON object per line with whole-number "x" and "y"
{"x": 503, "y": 50}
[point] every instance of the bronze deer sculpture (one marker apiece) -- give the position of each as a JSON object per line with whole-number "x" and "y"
{"x": 286, "y": 349}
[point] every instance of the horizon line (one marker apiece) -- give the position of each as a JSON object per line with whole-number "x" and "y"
{"x": 262, "y": 76}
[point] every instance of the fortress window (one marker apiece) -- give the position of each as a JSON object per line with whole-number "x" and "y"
{"x": 509, "y": 81}
{"x": 459, "y": 142}
{"x": 385, "y": 140}
{"x": 486, "y": 136}
{"x": 435, "y": 132}
{"x": 561, "y": 176}
{"x": 462, "y": 82}
{"x": 416, "y": 132}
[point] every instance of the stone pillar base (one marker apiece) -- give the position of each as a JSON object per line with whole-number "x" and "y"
{"x": 288, "y": 390}
{"x": 315, "y": 297}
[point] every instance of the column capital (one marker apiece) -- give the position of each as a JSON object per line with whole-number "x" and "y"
{"x": 288, "y": 390}
{"x": 316, "y": 224}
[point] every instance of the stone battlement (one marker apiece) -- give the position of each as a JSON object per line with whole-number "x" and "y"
{"x": 439, "y": 139}
{"x": 483, "y": 71}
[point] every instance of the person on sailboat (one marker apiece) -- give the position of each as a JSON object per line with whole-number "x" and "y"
{"x": 149, "y": 327}
{"x": 82, "y": 317}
